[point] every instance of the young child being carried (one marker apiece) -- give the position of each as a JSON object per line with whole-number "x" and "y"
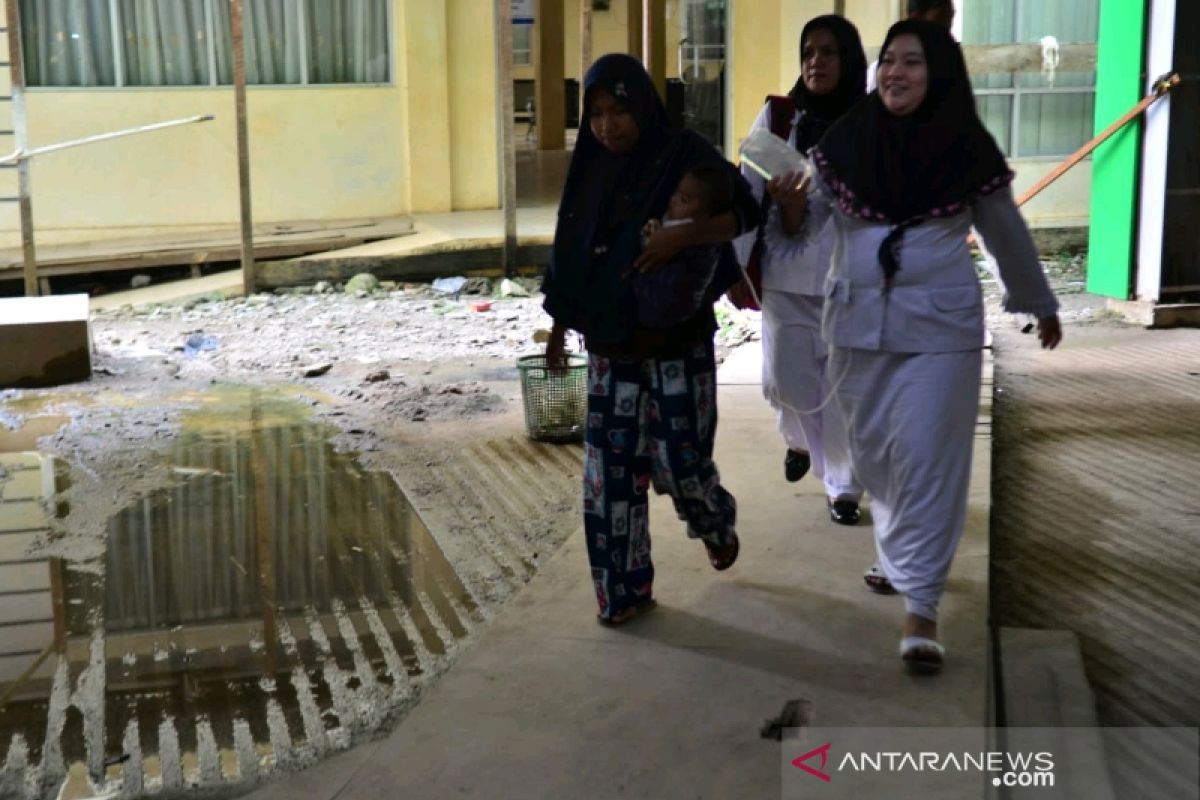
{"x": 679, "y": 289}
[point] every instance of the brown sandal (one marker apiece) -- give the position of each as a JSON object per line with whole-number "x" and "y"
{"x": 628, "y": 613}
{"x": 722, "y": 556}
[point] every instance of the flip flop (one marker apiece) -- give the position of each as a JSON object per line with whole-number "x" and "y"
{"x": 722, "y": 556}
{"x": 878, "y": 582}
{"x": 922, "y": 656}
{"x": 628, "y": 613}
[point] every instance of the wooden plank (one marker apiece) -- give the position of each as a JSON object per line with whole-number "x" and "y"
{"x": 375, "y": 229}
{"x": 217, "y": 249}
{"x": 484, "y": 260}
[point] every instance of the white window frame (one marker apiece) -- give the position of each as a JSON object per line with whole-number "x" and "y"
{"x": 522, "y": 57}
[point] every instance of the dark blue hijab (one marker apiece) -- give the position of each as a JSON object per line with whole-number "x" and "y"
{"x": 607, "y": 199}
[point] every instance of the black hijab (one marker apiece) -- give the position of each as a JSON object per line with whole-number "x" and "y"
{"x": 818, "y": 112}
{"x": 906, "y": 170}
{"x": 607, "y": 199}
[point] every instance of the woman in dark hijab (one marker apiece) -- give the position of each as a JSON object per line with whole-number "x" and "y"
{"x": 904, "y": 175}
{"x": 795, "y": 377}
{"x": 651, "y": 390}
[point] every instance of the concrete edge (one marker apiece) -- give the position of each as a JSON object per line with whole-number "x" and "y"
{"x": 437, "y": 262}
{"x": 1044, "y": 685}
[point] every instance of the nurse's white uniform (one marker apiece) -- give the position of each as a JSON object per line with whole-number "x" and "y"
{"x": 911, "y": 359}
{"x": 795, "y": 375}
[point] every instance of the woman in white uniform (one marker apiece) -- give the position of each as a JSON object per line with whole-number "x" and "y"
{"x": 904, "y": 175}
{"x": 795, "y": 382}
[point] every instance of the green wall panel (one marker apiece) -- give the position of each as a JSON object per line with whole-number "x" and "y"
{"x": 1119, "y": 85}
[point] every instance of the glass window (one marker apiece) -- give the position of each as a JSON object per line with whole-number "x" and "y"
{"x": 164, "y": 43}
{"x": 996, "y": 112}
{"x": 347, "y": 41}
{"x": 68, "y": 43}
{"x": 1043, "y": 112}
{"x": 189, "y": 42}
{"x": 522, "y": 45}
{"x": 1055, "y": 124}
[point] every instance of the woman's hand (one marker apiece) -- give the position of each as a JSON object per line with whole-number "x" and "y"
{"x": 790, "y": 193}
{"x": 663, "y": 246}
{"x": 1049, "y": 332}
{"x": 556, "y": 346}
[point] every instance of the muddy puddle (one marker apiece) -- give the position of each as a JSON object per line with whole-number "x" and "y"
{"x": 276, "y": 603}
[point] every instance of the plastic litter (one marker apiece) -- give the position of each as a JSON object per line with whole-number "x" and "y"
{"x": 449, "y": 285}
{"x": 770, "y": 156}
{"x": 510, "y": 288}
{"x": 198, "y": 343}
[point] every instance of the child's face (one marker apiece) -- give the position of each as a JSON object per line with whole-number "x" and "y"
{"x": 688, "y": 200}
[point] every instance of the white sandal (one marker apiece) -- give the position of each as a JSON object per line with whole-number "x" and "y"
{"x": 922, "y": 655}
{"x": 878, "y": 582}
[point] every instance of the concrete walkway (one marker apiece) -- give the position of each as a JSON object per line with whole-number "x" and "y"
{"x": 548, "y": 704}
{"x": 451, "y": 231}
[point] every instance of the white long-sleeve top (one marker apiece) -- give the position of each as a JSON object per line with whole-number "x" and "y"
{"x": 935, "y": 303}
{"x": 797, "y": 271}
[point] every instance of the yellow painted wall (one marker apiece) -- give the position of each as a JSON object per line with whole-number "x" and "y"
{"x": 608, "y": 36}
{"x": 426, "y": 83}
{"x": 473, "y": 144}
{"x": 425, "y": 143}
{"x": 314, "y": 153}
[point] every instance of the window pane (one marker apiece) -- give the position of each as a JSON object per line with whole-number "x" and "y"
{"x": 348, "y": 41}
{"x": 164, "y": 43}
{"x": 67, "y": 43}
{"x": 273, "y": 46}
{"x": 996, "y": 112}
{"x": 522, "y": 45}
{"x": 1068, "y": 21}
{"x": 989, "y": 22}
{"x": 1055, "y": 124}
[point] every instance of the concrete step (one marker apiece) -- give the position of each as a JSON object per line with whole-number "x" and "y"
{"x": 1044, "y": 686}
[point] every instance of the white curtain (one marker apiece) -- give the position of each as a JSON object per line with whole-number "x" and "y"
{"x": 348, "y": 41}
{"x": 165, "y": 42}
{"x": 67, "y": 43}
{"x": 174, "y": 42}
{"x": 272, "y": 30}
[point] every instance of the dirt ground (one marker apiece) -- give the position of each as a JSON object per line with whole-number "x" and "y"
{"x": 403, "y": 371}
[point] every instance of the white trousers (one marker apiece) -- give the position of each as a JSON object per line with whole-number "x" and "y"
{"x": 796, "y": 379}
{"x": 911, "y": 418}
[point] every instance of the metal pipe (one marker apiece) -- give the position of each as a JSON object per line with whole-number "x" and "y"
{"x": 507, "y": 147}
{"x": 21, "y": 134}
{"x": 249, "y": 282}
{"x": 19, "y": 155}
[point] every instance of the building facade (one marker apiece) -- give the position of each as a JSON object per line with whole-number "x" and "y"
{"x": 374, "y": 108}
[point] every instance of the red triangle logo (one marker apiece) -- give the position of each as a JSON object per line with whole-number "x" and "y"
{"x": 823, "y": 752}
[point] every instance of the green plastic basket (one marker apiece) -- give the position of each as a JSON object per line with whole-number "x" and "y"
{"x": 555, "y": 401}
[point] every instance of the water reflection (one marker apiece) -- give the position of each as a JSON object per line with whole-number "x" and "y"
{"x": 274, "y": 603}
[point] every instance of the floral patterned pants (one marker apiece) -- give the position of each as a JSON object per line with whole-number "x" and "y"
{"x": 650, "y": 422}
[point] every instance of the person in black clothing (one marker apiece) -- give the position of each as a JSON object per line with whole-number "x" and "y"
{"x": 651, "y": 390}
{"x": 679, "y": 289}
